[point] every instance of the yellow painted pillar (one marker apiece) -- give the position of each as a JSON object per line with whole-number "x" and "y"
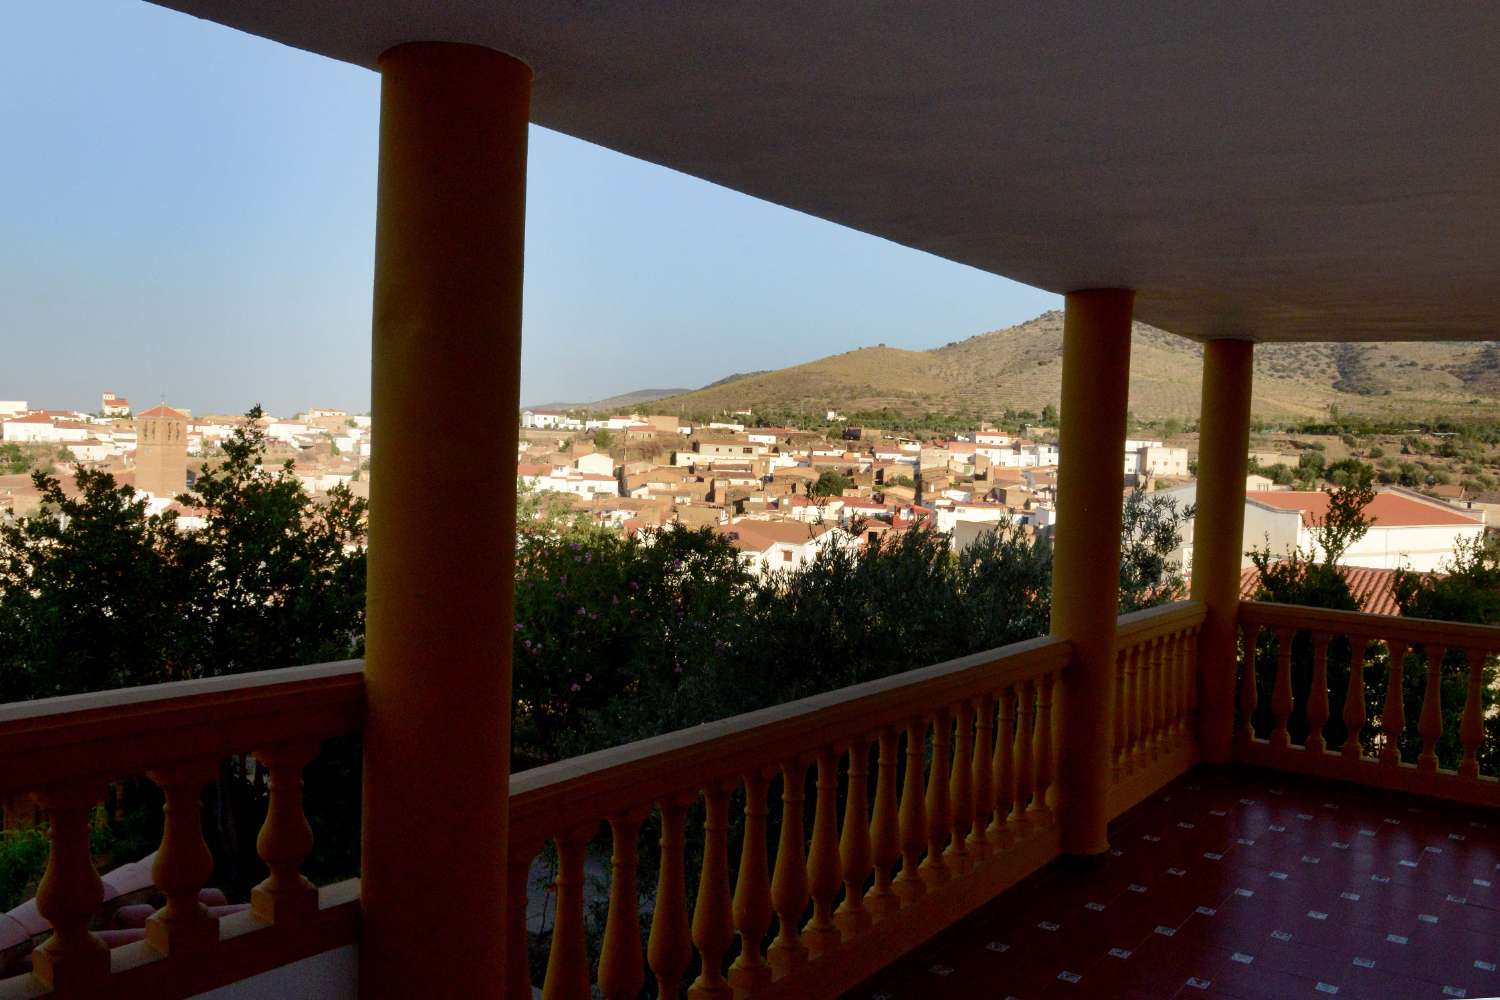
{"x": 1218, "y": 537}
{"x": 447, "y": 339}
{"x": 1086, "y": 555}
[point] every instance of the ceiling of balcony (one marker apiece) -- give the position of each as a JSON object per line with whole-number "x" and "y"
{"x": 1274, "y": 170}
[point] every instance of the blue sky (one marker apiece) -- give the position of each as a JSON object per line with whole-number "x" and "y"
{"x": 188, "y": 212}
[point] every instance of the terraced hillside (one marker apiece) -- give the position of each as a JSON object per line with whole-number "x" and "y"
{"x": 1021, "y": 368}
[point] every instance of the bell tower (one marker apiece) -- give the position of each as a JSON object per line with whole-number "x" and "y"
{"x": 161, "y": 451}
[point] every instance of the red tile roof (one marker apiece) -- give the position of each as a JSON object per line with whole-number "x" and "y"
{"x": 1370, "y": 587}
{"x": 757, "y": 536}
{"x": 1388, "y": 508}
{"x": 163, "y": 410}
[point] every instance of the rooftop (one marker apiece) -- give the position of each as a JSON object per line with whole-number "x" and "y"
{"x": 1389, "y": 509}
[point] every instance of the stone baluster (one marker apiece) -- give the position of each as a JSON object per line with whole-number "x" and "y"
{"x": 1003, "y": 765}
{"x": 517, "y": 936}
{"x": 1317, "y": 694}
{"x": 568, "y": 960}
{"x": 73, "y": 962}
{"x": 713, "y": 918}
{"x": 1181, "y": 731}
{"x": 961, "y": 793}
{"x": 1190, "y": 686}
{"x": 286, "y": 896}
{"x": 1151, "y": 682}
{"x": 1281, "y": 694}
{"x": 1175, "y": 687}
{"x": 824, "y": 872}
{"x": 1146, "y": 654}
{"x": 1393, "y": 717}
{"x": 752, "y": 894}
{"x": 885, "y": 829}
{"x": 669, "y": 951}
{"x": 1025, "y": 772}
{"x": 1249, "y": 696}
{"x": 982, "y": 778}
{"x": 934, "y": 868}
{"x": 1471, "y": 729}
{"x": 789, "y": 888}
{"x": 1168, "y": 656}
{"x": 184, "y": 864}
{"x": 1354, "y": 698}
{"x": 1118, "y": 765}
{"x": 622, "y": 967}
{"x": 1043, "y": 753}
{"x": 1191, "y": 678}
{"x": 1430, "y": 725}
{"x": 908, "y": 884}
{"x": 855, "y": 850}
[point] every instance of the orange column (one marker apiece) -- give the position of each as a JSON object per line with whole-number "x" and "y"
{"x": 447, "y": 336}
{"x": 1223, "y": 456}
{"x": 1086, "y": 555}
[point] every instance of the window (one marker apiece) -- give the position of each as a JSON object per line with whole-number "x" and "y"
{"x": 786, "y": 555}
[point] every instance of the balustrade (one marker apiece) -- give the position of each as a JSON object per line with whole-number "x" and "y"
{"x": 64, "y": 752}
{"x": 1304, "y": 652}
{"x": 978, "y": 760}
{"x": 1155, "y": 699}
{"x": 959, "y": 805}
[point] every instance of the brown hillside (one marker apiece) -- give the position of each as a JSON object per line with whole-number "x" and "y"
{"x": 1021, "y": 368}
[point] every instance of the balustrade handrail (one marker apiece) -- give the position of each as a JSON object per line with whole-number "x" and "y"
{"x": 1163, "y": 618}
{"x": 545, "y": 799}
{"x": 106, "y": 735}
{"x": 1413, "y": 630}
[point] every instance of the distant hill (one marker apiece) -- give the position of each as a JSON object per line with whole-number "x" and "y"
{"x": 624, "y": 401}
{"x": 1020, "y": 367}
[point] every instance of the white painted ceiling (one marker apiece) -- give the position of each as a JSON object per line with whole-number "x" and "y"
{"x": 1308, "y": 170}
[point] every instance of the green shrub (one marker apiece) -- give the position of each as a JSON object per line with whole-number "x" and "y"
{"x": 23, "y": 858}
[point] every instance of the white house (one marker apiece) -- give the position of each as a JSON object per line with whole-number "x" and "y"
{"x": 947, "y": 515}
{"x": 772, "y": 546}
{"x": 287, "y": 431}
{"x": 598, "y": 463}
{"x": 39, "y": 427}
{"x": 548, "y": 420}
{"x": 1155, "y": 459}
{"x": 584, "y": 484}
{"x": 12, "y": 407}
{"x": 91, "y": 450}
{"x": 1407, "y": 529}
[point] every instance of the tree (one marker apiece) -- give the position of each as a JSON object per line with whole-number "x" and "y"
{"x": 89, "y": 599}
{"x": 831, "y": 484}
{"x": 1150, "y": 532}
{"x": 95, "y": 594}
{"x": 603, "y": 439}
{"x": 1467, "y": 591}
{"x": 17, "y": 458}
{"x": 277, "y": 578}
{"x": 1049, "y": 415}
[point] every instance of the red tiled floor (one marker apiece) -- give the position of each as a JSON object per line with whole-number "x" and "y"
{"x": 1244, "y": 884}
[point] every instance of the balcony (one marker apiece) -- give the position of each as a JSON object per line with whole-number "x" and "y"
{"x": 916, "y": 842}
{"x": 1197, "y": 172}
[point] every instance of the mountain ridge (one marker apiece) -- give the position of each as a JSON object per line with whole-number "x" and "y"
{"x": 1020, "y": 368}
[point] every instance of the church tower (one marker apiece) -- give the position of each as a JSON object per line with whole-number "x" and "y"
{"x": 161, "y": 451}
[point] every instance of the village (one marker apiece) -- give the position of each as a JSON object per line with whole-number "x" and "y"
{"x": 160, "y": 450}
{"x": 780, "y": 495}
